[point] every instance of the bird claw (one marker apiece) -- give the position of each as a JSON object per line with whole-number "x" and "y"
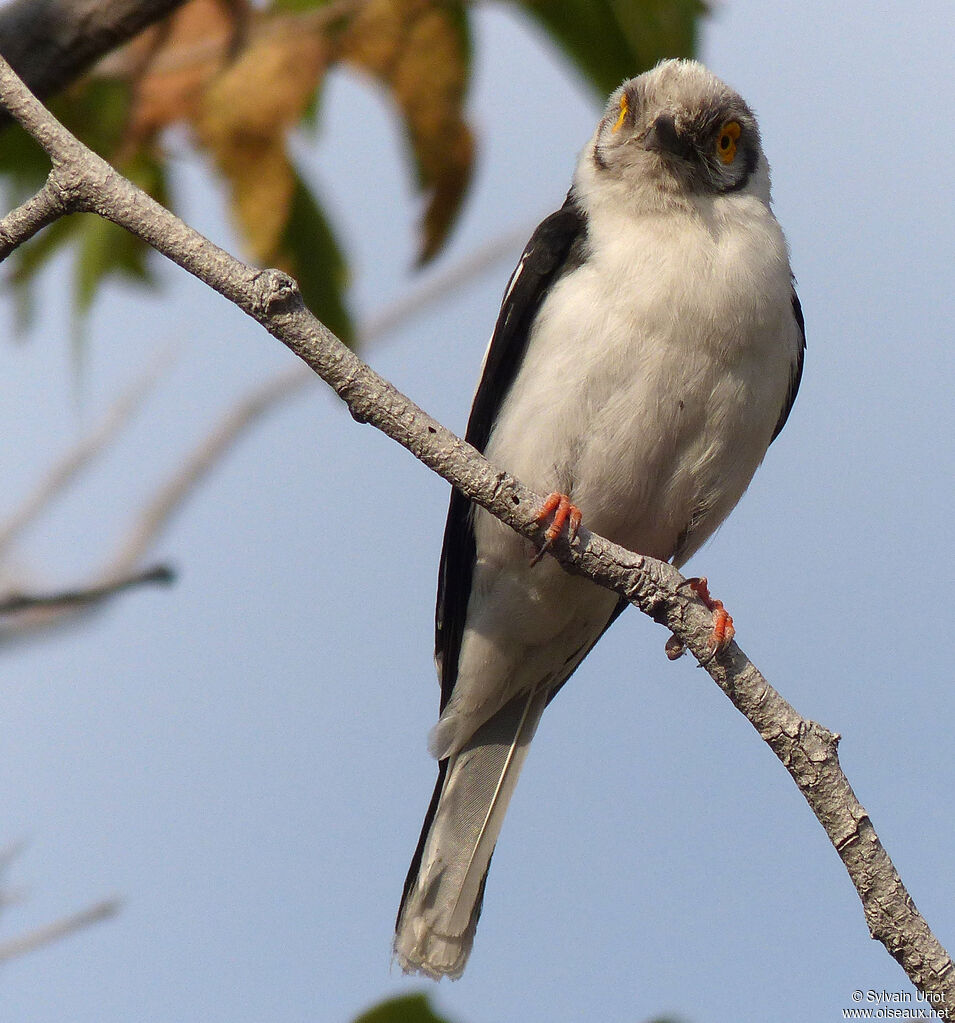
{"x": 723, "y": 628}
{"x": 565, "y": 513}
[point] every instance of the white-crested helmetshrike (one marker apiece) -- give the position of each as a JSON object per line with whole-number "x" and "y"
{"x": 647, "y": 352}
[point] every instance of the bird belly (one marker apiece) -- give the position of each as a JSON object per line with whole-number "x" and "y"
{"x": 652, "y": 408}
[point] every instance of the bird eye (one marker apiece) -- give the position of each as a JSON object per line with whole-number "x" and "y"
{"x": 726, "y": 142}
{"x": 624, "y": 110}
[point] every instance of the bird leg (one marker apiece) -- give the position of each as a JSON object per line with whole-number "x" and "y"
{"x": 723, "y": 628}
{"x": 565, "y": 513}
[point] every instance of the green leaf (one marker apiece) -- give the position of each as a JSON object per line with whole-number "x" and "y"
{"x": 103, "y": 249}
{"x": 404, "y": 1009}
{"x": 313, "y": 256}
{"x": 24, "y": 166}
{"x": 612, "y": 40}
{"x": 27, "y": 261}
{"x": 297, "y": 6}
{"x": 96, "y": 110}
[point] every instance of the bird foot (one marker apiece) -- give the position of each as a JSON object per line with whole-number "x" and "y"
{"x": 564, "y": 513}
{"x": 723, "y": 628}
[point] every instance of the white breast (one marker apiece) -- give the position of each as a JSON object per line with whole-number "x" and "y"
{"x": 656, "y": 372}
{"x": 651, "y": 385}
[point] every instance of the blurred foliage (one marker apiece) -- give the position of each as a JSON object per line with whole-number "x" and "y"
{"x": 613, "y": 40}
{"x": 241, "y": 75}
{"x": 403, "y": 1009}
{"x": 417, "y": 1009}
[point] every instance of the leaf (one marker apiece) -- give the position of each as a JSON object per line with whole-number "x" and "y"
{"x": 612, "y": 40}
{"x": 244, "y": 118}
{"x": 404, "y": 1009}
{"x": 173, "y": 63}
{"x": 243, "y": 75}
{"x": 420, "y": 50}
{"x": 309, "y": 251}
{"x": 96, "y": 109}
{"x": 24, "y": 166}
{"x": 100, "y": 107}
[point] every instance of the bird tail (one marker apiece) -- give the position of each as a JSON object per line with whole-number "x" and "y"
{"x": 445, "y": 886}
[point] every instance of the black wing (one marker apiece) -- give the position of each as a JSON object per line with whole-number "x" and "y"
{"x": 558, "y": 244}
{"x": 797, "y": 368}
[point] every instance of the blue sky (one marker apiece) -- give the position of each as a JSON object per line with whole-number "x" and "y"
{"x": 242, "y": 757}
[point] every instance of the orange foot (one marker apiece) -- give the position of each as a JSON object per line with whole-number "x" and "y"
{"x": 564, "y": 513}
{"x": 723, "y": 628}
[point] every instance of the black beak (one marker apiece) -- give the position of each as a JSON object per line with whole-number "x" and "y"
{"x": 662, "y": 137}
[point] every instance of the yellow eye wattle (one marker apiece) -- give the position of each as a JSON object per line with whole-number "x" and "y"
{"x": 726, "y": 141}
{"x": 624, "y": 110}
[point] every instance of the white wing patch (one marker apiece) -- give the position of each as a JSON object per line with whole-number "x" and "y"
{"x": 518, "y": 270}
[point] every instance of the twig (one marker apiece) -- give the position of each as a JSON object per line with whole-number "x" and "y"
{"x": 75, "y": 460}
{"x": 52, "y": 43}
{"x": 37, "y": 212}
{"x": 75, "y": 599}
{"x": 170, "y": 497}
{"x": 807, "y": 750}
{"x": 29, "y": 614}
{"x": 58, "y": 929}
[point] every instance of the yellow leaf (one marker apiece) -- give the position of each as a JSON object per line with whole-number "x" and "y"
{"x": 243, "y": 119}
{"x": 418, "y": 50}
{"x": 171, "y": 64}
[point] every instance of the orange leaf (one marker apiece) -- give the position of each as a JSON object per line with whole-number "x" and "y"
{"x": 172, "y": 63}
{"x": 418, "y": 50}
{"x": 243, "y": 119}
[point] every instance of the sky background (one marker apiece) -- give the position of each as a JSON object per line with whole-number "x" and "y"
{"x": 242, "y": 757}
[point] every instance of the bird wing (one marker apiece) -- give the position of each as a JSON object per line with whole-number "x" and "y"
{"x": 554, "y": 248}
{"x": 797, "y": 368}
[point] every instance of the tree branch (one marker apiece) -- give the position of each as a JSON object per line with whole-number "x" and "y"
{"x": 22, "y": 224}
{"x": 170, "y": 497}
{"x": 17, "y": 603}
{"x": 59, "y": 477}
{"x": 807, "y": 750}
{"x": 58, "y": 929}
{"x": 52, "y": 42}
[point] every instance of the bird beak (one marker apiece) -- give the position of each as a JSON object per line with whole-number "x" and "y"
{"x": 662, "y": 137}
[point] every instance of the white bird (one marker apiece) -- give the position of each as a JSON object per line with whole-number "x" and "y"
{"x": 648, "y": 350}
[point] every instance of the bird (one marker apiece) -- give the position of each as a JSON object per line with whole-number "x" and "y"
{"x": 648, "y": 351}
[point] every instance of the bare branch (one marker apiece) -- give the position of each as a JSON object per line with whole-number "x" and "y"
{"x": 807, "y": 750}
{"x": 52, "y": 42}
{"x": 21, "y": 224}
{"x": 71, "y": 600}
{"x": 75, "y": 460}
{"x": 58, "y": 929}
{"x": 173, "y": 494}
{"x": 25, "y": 615}
{"x": 34, "y": 613}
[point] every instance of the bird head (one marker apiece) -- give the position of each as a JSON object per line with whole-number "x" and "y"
{"x": 674, "y": 131}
